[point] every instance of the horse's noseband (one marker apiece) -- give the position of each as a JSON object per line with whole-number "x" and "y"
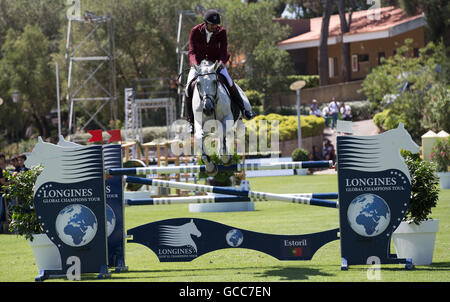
{"x": 208, "y": 107}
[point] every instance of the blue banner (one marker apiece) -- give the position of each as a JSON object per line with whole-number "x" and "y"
{"x": 374, "y": 193}
{"x": 114, "y": 208}
{"x": 185, "y": 239}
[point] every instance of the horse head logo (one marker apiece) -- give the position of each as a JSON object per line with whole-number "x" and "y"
{"x": 65, "y": 164}
{"x": 180, "y": 235}
{"x": 378, "y": 152}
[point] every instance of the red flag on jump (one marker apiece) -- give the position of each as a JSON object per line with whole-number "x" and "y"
{"x": 115, "y": 135}
{"x": 96, "y": 136}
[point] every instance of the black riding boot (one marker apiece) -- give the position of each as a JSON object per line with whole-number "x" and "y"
{"x": 236, "y": 97}
{"x": 189, "y": 112}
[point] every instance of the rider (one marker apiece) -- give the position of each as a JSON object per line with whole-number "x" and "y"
{"x": 208, "y": 40}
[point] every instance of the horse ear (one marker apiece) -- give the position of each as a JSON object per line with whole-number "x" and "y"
{"x": 401, "y": 125}
{"x": 40, "y": 139}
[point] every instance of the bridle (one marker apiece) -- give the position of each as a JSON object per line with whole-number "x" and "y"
{"x": 204, "y": 97}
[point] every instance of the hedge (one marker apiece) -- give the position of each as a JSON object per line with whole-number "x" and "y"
{"x": 310, "y": 125}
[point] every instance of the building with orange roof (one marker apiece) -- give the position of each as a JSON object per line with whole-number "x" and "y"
{"x": 373, "y": 34}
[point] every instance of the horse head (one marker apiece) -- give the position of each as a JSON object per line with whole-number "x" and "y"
{"x": 207, "y": 85}
{"x": 41, "y": 154}
{"x": 403, "y": 139}
{"x": 193, "y": 229}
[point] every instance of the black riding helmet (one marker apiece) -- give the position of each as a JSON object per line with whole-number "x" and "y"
{"x": 212, "y": 16}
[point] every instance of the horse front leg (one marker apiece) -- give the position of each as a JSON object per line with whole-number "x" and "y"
{"x": 228, "y": 138}
{"x": 210, "y": 166}
{"x": 199, "y": 137}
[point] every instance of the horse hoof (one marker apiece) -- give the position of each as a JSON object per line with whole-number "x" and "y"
{"x": 226, "y": 160}
{"x": 211, "y": 169}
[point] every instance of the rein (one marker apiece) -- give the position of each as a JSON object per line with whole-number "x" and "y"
{"x": 208, "y": 96}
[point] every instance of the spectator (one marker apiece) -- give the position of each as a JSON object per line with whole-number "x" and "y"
{"x": 316, "y": 154}
{"x": 326, "y": 115}
{"x": 314, "y": 109}
{"x": 21, "y": 163}
{"x": 346, "y": 112}
{"x": 334, "y": 111}
{"x": 328, "y": 151}
{"x": 15, "y": 163}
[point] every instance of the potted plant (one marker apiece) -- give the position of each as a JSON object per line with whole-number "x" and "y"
{"x": 24, "y": 221}
{"x": 300, "y": 154}
{"x": 415, "y": 236}
{"x": 441, "y": 157}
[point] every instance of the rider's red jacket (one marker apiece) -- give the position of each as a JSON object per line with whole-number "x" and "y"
{"x": 215, "y": 50}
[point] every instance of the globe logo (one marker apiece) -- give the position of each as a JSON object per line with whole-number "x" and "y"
{"x": 110, "y": 220}
{"x": 234, "y": 238}
{"x": 368, "y": 215}
{"x": 76, "y": 225}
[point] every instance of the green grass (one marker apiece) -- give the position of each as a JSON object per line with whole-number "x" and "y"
{"x": 17, "y": 260}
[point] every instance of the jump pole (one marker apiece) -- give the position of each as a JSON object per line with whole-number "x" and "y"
{"x": 234, "y": 167}
{"x": 252, "y": 195}
{"x": 215, "y": 199}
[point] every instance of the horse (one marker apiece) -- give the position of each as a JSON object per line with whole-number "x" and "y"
{"x": 210, "y": 101}
{"x": 179, "y": 235}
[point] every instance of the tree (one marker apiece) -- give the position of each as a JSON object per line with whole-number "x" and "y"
{"x": 145, "y": 42}
{"x": 252, "y": 34}
{"x": 345, "y": 47}
{"x": 26, "y": 67}
{"x": 425, "y": 103}
{"x": 305, "y": 8}
{"x": 323, "y": 46}
{"x": 436, "y": 14}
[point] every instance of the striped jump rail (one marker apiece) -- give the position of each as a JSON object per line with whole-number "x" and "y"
{"x": 252, "y": 195}
{"x": 215, "y": 199}
{"x": 233, "y": 167}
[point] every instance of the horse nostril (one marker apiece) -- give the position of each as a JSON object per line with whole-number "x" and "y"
{"x": 208, "y": 108}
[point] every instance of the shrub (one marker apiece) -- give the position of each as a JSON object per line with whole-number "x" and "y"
{"x": 310, "y": 125}
{"x": 424, "y": 188}
{"x": 255, "y": 97}
{"x": 387, "y": 120}
{"x": 300, "y": 154}
{"x": 361, "y": 110}
{"x": 24, "y": 221}
{"x": 441, "y": 155}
